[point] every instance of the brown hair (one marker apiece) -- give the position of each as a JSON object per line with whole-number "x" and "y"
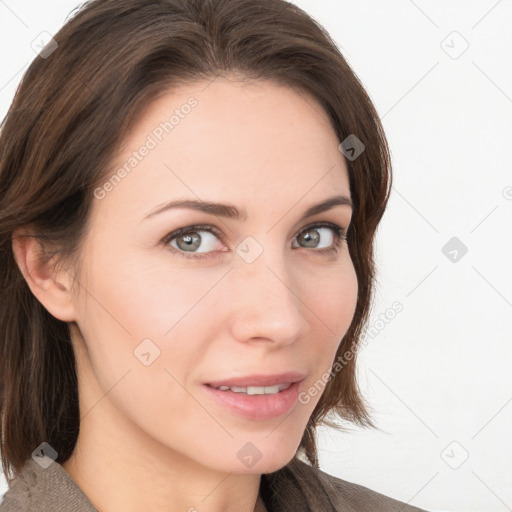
{"x": 68, "y": 119}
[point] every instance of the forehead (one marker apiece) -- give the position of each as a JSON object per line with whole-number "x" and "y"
{"x": 245, "y": 142}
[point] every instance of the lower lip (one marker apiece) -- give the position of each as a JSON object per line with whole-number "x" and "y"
{"x": 257, "y": 407}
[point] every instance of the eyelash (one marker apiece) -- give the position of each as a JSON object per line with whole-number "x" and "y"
{"x": 339, "y": 236}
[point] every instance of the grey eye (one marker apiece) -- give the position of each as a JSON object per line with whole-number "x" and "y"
{"x": 192, "y": 240}
{"x": 310, "y": 237}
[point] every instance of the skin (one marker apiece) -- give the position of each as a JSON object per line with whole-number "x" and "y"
{"x": 150, "y": 437}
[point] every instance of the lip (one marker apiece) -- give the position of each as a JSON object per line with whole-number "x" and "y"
{"x": 260, "y": 380}
{"x": 256, "y": 407}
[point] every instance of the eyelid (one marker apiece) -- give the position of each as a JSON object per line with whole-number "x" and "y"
{"x": 194, "y": 227}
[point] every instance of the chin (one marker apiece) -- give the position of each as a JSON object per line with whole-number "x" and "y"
{"x": 262, "y": 457}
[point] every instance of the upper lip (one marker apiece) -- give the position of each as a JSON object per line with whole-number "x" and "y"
{"x": 260, "y": 380}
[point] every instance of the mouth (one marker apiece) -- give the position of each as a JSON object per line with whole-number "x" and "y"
{"x": 255, "y": 390}
{"x": 259, "y": 380}
{"x": 257, "y": 397}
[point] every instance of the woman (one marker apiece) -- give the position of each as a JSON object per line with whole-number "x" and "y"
{"x": 190, "y": 192}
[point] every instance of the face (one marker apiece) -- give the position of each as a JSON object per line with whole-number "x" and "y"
{"x": 179, "y": 298}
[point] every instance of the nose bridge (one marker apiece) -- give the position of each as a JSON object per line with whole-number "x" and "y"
{"x": 268, "y": 305}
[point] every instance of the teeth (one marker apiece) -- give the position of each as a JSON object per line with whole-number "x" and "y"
{"x": 271, "y": 390}
{"x": 256, "y": 390}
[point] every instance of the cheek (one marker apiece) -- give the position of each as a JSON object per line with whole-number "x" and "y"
{"x": 333, "y": 297}
{"x": 149, "y": 300}
{"x": 126, "y": 315}
{"x": 333, "y": 300}
{"x": 134, "y": 302}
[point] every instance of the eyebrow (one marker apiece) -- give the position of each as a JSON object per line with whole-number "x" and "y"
{"x": 232, "y": 212}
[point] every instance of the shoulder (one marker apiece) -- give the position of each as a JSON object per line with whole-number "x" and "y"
{"x": 321, "y": 491}
{"x": 37, "y": 489}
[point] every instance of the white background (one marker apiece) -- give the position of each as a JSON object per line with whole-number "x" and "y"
{"x": 438, "y": 375}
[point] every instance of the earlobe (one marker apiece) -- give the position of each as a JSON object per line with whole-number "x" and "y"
{"x": 52, "y": 291}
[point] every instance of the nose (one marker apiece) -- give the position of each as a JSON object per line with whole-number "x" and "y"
{"x": 267, "y": 302}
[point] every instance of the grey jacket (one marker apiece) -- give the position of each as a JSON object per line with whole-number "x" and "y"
{"x": 298, "y": 487}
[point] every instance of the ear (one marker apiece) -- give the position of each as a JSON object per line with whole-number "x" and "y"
{"x": 53, "y": 291}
